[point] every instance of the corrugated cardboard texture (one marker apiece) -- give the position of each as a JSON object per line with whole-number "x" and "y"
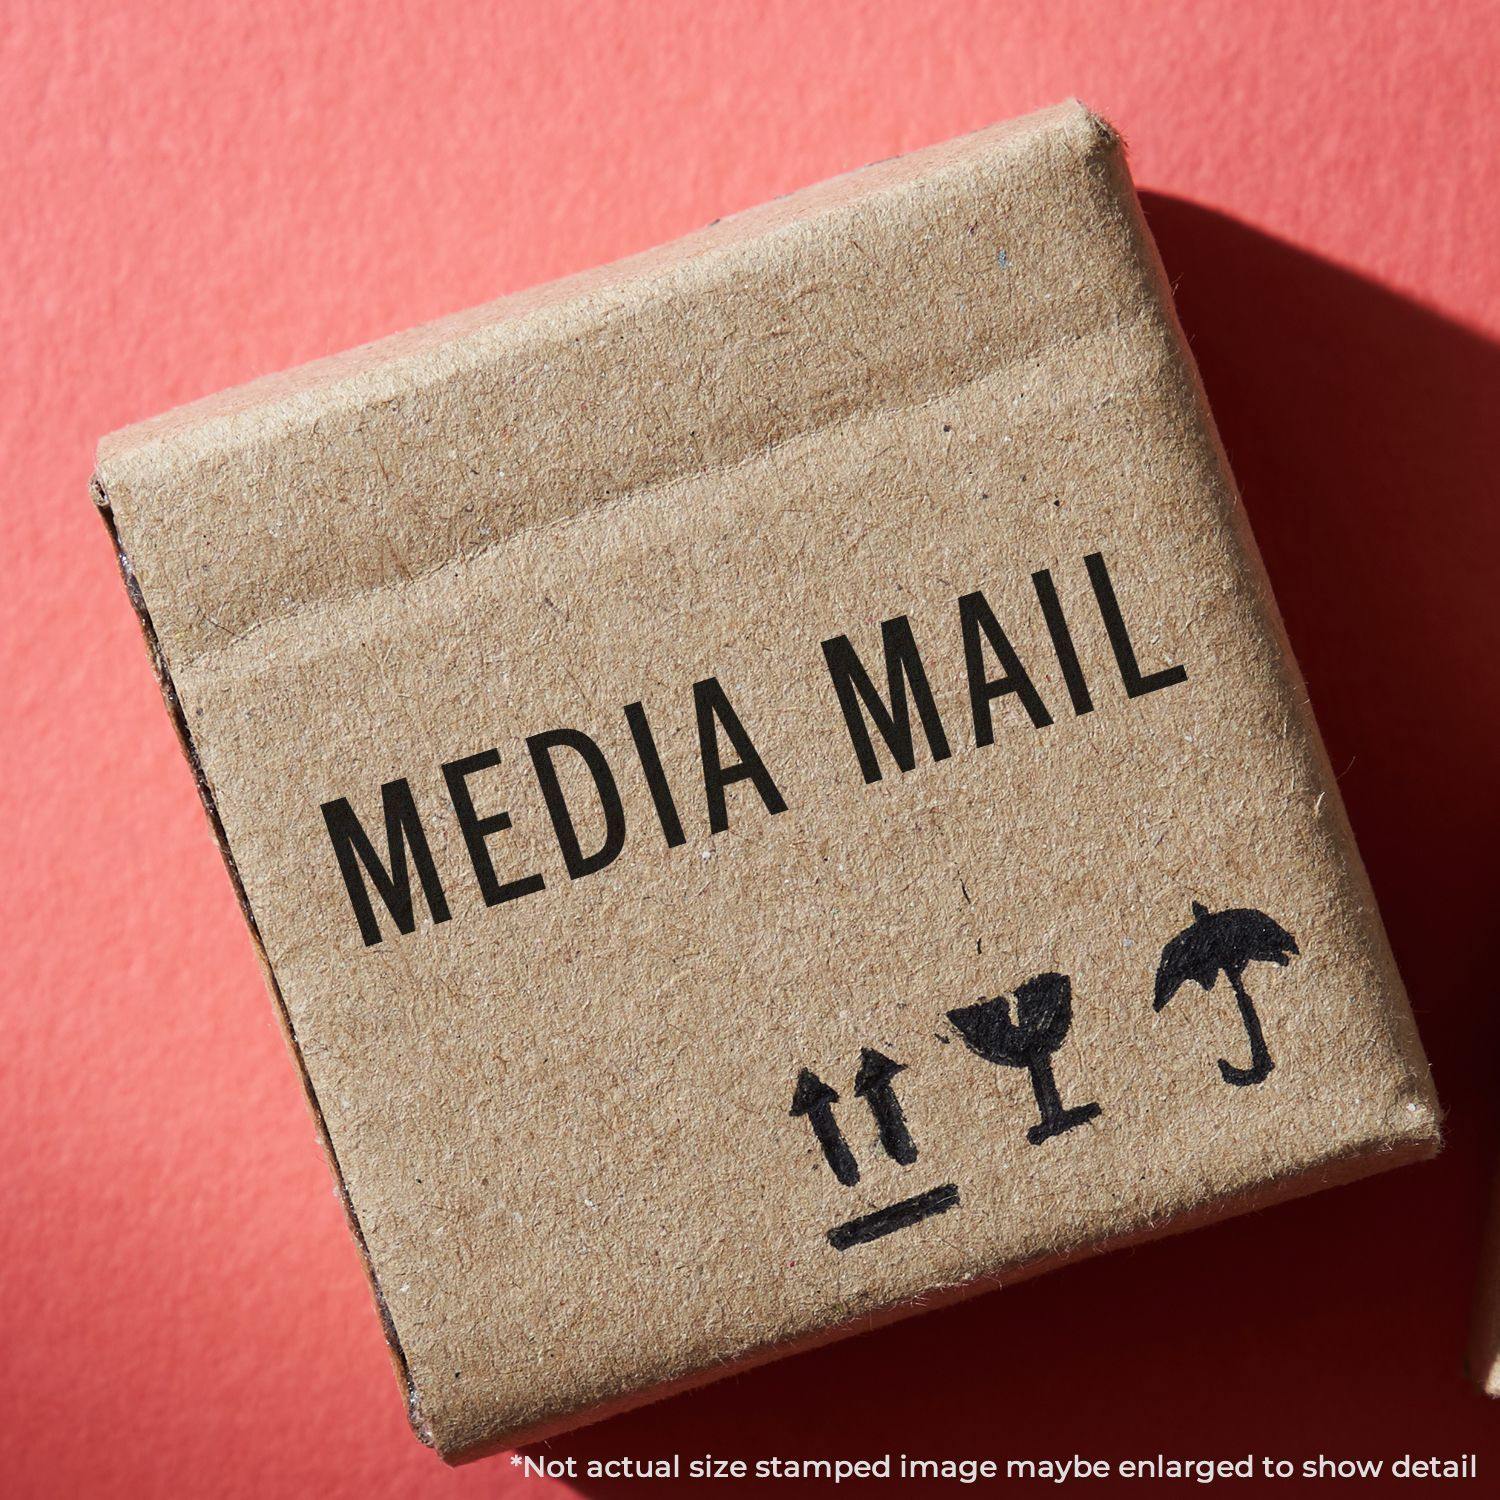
{"x": 565, "y": 1122}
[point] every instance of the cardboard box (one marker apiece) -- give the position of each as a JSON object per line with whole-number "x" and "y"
{"x": 769, "y": 783}
{"x": 1484, "y": 1331}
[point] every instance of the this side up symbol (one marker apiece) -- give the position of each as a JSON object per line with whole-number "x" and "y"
{"x": 873, "y": 1084}
{"x": 1044, "y": 1013}
{"x": 814, "y": 1100}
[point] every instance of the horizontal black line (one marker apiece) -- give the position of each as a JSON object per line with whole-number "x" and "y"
{"x": 895, "y": 1216}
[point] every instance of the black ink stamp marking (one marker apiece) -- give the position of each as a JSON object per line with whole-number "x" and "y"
{"x": 1044, "y": 1014}
{"x": 896, "y": 1216}
{"x": 1227, "y": 942}
{"x": 873, "y": 1084}
{"x": 815, "y": 1099}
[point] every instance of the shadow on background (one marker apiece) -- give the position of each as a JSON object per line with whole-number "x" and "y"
{"x": 1365, "y": 435}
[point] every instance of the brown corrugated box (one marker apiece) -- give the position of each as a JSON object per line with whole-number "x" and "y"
{"x": 639, "y": 712}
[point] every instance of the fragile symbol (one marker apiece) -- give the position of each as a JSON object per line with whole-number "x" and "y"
{"x": 1044, "y": 1013}
{"x": 1227, "y": 942}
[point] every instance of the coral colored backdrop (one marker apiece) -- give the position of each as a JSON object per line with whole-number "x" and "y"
{"x": 196, "y": 194}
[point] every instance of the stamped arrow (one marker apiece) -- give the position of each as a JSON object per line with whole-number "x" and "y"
{"x": 873, "y": 1084}
{"x": 815, "y": 1099}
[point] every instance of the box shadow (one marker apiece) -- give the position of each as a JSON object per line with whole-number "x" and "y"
{"x": 1364, "y": 431}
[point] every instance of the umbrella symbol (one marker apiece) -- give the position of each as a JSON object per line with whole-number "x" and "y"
{"x": 1227, "y": 942}
{"x": 1044, "y": 1012}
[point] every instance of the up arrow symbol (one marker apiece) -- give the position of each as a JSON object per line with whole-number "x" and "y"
{"x": 873, "y": 1084}
{"x": 815, "y": 1099}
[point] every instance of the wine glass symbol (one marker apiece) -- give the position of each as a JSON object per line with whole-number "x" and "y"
{"x": 1044, "y": 1014}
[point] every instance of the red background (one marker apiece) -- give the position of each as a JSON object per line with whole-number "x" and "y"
{"x": 195, "y": 195}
